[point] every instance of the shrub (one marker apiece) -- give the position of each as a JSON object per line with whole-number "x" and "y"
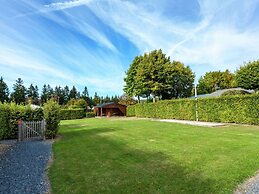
{"x": 16, "y": 112}
{"x": 232, "y": 109}
{"x": 90, "y": 114}
{"x": 67, "y": 114}
{"x": 4, "y": 121}
{"x": 51, "y": 111}
{"x": 235, "y": 92}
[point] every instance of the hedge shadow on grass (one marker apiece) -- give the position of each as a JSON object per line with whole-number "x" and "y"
{"x": 92, "y": 161}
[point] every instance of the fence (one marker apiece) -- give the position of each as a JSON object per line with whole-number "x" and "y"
{"x": 31, "y": 130}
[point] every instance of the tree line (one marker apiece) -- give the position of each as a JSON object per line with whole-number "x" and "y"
{"x": 154, "y": 76}
{"x": 64, "y": 96}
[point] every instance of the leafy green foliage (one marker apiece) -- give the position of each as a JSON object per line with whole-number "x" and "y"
{"x": 235, "y": 92}
{"x": 11, "y": 113}
{"x": 154, "y": 75}
{"x": 4, "y": 91}
{"x": 32, "y": 94}
{"x": 126, "y": 100}
{"x": 90, "y": 114}
{"x": 4, "y": 121}
{"x": 52, "y": 117}
{"x": 214, "y": 80}
{"x": 230, "y": 109}
{"x": 248, "y": 76}
{"x": 19, "y": 92}
{"x": 68, "y": 114}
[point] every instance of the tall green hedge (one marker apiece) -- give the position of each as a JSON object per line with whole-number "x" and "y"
{"x": 10, "y": 113}
{"x": 77, "y": 113}
{"x": 231, "y": 109}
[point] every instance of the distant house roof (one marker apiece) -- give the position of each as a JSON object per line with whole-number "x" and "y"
{"x": 220, "y": 92}
{"x": 106, "y": 104}
{"x": 33, "y": 106}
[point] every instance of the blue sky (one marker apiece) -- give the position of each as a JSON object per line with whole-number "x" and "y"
{"x": 92, "y": 42}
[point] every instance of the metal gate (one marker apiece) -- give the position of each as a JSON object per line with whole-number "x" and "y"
{"x": 31, "y": 130}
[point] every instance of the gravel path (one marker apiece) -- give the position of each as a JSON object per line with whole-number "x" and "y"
{"x": 251, "y": 186}
{"x": 198, "y": 123}
{"x": 22, "y": 167}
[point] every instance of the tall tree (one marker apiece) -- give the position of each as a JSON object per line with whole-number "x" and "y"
{"x": 66, "y": 94}
{"x": 126, "y": 100}
{"x": 73, "y": 93}
{"x": 4, "y": 91}
{"x": 19, "y": 92}
{"x": 59, "y": 95}
{"x": 32, "y": 94}
{"x": 178, "y": 81}
{"x": 131, "y": 86}
{"x": 85, "y": 93}
{"x": 50, "y": 92}
{"x": 44, "y": 94}
{"x": 248, "y": 76}
{"x": 214, "y": 80}
{"x": 154, "y": 75}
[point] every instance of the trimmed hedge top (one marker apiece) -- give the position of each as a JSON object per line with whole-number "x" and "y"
{"x": 230, "y": 109}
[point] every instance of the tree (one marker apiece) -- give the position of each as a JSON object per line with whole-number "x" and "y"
{"x": 131, "y": 87}
{"x": 178, "y": 81}
{"x": 248, "y": 76}
{"x": 44, "y": 94}
{"x": 59, "y": 95}
{"x": 4, "y": 91}
{"x": 96, "y": 99}
{"x": 19, "y": 92}
{"x": 33, "y": 94}
{"x": 214, "y": 80}
{"x": 73, "y": 93}
{"x": 126, "y": 100}
{"x": 154, "y": 75}
{"x": 66, "y": 94}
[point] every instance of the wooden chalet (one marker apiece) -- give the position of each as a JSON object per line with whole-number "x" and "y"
{"x": 110, "y": 109}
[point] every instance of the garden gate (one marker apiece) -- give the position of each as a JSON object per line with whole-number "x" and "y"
{"x": 31, "y": 130}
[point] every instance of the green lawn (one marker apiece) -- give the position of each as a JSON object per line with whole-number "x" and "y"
{"x": 142, "y": 156}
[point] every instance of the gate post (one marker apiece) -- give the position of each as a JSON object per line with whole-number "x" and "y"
{"x": 20, "y": 130}
{"x": 43, "y": 128}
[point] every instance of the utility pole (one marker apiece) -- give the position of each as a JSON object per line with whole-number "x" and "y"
{"x": 196, "y": 102}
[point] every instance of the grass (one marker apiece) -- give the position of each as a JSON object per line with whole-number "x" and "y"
{"x": 143, "y": 156}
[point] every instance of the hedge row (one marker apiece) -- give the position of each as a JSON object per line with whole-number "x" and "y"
{"x": 11, "y": 113}
{"x": 230, "y": 109}
{"x": 68, "y": 114}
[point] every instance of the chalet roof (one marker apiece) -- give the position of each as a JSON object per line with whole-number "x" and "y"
{"x": 106, "y": 104}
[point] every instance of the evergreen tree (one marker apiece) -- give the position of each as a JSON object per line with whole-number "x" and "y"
{"x": 85, "y": 93}
{"x": 59, "y": 95}
{"x": 73, "y": 93}
{"x": 44, "y": 94}
{"x": 96, "y": 99}
{"x": 50, "y": 92}
{"x": 66, "y": 94}
{"x": 32, "y": 94}
{"x": 4, "y": 91}
{"x": 19, "y": 92}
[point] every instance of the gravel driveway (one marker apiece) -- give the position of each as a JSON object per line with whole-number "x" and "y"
{"x": 22, "y": 167}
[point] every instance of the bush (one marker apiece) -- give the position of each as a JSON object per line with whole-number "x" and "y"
{"x": 90, "y": 114}
{"x": 10, "y": 113}
{"x": 4, "y": 121}
{"x": 67, "y": 114}
{"x": 235, "y": 92}
{"x": 232, "y": 109}
{"x": 51, "y": 111}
